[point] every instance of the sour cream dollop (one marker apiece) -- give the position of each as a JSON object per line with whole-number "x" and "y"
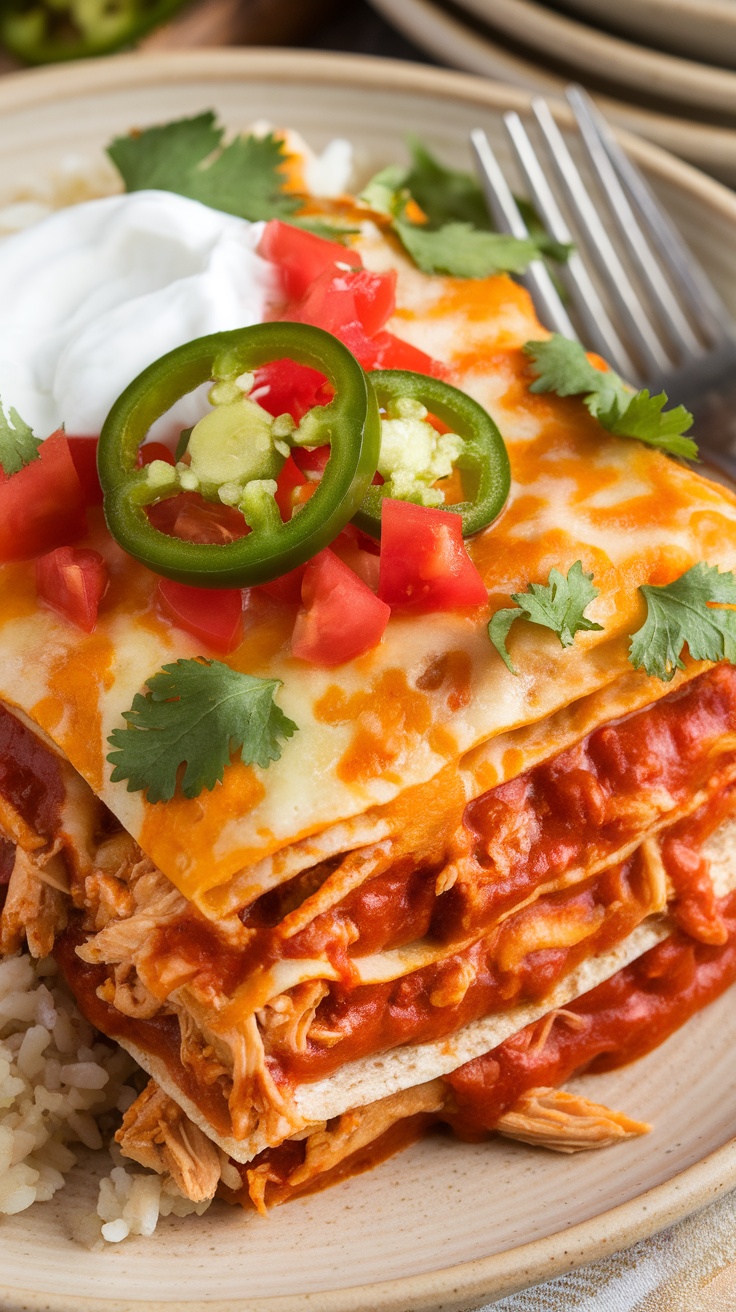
{"x": 94, "y": 293}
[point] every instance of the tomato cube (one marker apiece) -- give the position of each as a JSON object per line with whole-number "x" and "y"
{"x": 284, "y": 387}
{"x": 424, "y": 562}
{"x": 301, "y": 256}
{"x": 43, "y": 505}
{"x": 73, "y": 581}
{"x": 84, "y": 454}
{"x": 215, "y": 615}
{"x": 340, "y": 618}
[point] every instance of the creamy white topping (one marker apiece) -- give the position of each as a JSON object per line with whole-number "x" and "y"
{"x": 92, "y": 294}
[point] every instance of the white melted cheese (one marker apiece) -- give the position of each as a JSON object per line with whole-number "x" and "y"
{"x": 94, "y": 293}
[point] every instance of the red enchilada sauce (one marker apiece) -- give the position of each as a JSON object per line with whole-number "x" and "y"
{"x": 574, "y": 804}
{"x": 623, "y": 1018}
{"x": 584, "y": 804}
{"x": 650, "y": 749}
{"x": 30, "y": 775}
{"x": 159, "y": 1036}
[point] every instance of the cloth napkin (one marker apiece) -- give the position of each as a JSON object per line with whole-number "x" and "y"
{"x": 690, "y": 1267}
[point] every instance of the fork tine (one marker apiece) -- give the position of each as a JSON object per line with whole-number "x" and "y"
{"x": 688, "y": 276}
{"x": 599, "y": 330}
{"x": 639, "y": 326}
{"x": 641, "y": 253}
{"x": 508, "y": 218}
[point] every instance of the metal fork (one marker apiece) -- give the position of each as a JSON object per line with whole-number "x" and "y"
{"x": 657, "y": 319}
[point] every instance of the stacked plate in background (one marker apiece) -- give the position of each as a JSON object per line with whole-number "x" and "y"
{"x": 677, "y": 100}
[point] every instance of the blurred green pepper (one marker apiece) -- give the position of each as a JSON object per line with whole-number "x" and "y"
{"x": 46, "y": 31}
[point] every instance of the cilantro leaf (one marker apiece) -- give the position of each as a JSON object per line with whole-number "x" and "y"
{"x": 450, "y": 196}
{"x": 463, "y": 251}
{"x": 444, "y": 195}
{"x": 188, "y": 157}
{"x": 644, "y": 417}
{"x": 385, "y": 192}
{"x": 158, "y": 157}
{"x": 18, "y": 446}
{"x": 691, "y": 610}
{"x": 199, "y": 713}
{"x": 458, "y": 237}
{"x": 563, "y": 367}
{"x": 559, "y": 251}
{"x": 558, "y": 605}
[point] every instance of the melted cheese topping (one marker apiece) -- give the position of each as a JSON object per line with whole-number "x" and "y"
{"x": 387, "y": 722}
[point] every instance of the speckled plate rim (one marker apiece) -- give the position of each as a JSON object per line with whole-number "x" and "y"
{"x": 631, "y": 66}
{"x": 701, "y": 29}
{"x": 471, "y": 1283}
{"x": 445, "y": 36}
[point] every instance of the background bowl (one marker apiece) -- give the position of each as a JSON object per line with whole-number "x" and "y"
{"x": 445, "y": 1225}
{"x": 452, "y": 38}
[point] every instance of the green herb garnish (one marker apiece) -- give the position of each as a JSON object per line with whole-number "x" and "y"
{"x": 695, "y": 609}
{"x": 189, "y": 158}
{"x": 18, "y": 446}
{"x": 558, "y": 605}
{"x": 563, "y": 367}
{"x": 199, "y": 714}
{"x": 457, "y": 237}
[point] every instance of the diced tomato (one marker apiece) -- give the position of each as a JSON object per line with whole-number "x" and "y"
{"x": 190, "y": 517}
{"x": 151, "y": 451}
{"x": 73, "y": 581}
{"x": 311, "y": 461}
{"x": 287, "y": 588}
{"x": 340, "y": 618}
{"x": 84, "y": 454}
{"x": 301, "y": 255}
{"x": 375, "y": 297}
{"x": 366, "y": 564}
{"x": 292, "y": 489}
{"x": 215, "y": 615}
{"x": 285, "y": 387}
{"x": 337, "y": 302}
{"x": 424, "y": 562}
{"x": 42, "y": 506}
{"x": 391, "y": 352}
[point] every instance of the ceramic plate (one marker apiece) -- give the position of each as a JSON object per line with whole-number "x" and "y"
{"x": 452, "y": 41}
{"x": 592, "y": 53}
{"x": 701, "y": 29}
{"x": 445, "y": 1225}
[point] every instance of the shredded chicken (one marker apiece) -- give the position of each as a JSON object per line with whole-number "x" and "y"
{"x": 157, "y": 1134}
{"x": 287, "y": 1020}
{"x": 15, "y": 828}
{"x": 35, "y": 906}
{"x": 209, "y": 1061}
{"x": 566, "y": 1122}
{"x": 107, "y": 899}
{"x": 545, "y": 1025}
{"x": 331, "y": 1144}
{"x": 455, "y": 981}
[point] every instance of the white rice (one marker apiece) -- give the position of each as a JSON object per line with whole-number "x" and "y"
{"x": 60, "y": 1085}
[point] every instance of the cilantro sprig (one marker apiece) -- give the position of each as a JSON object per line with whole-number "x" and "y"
{"x": 563, "y": 367}
{"x": 457, "y": 236}
{"x": 197, "y": 714}
{"x": 693, "y": 610}
{"x": 244, "y": 177}
{"x": 463, "y": 251}
{"x": 558, "y": 605}
{"x": 18, "y": 446}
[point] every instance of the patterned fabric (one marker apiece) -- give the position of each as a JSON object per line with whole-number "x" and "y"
{"x": 690, "y": 1267}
